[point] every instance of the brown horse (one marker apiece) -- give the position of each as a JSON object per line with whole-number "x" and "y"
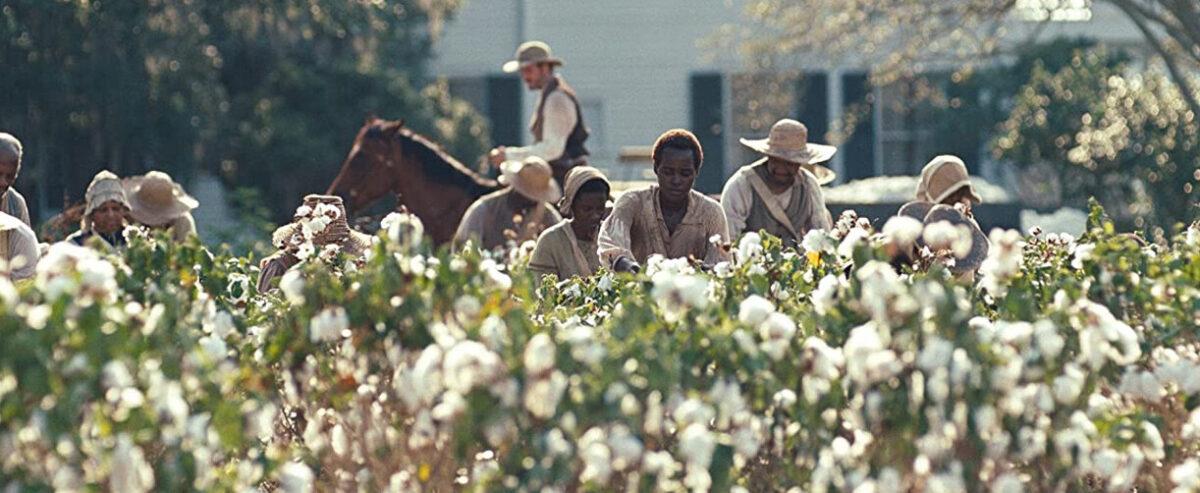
{"x": 386, "y": 157}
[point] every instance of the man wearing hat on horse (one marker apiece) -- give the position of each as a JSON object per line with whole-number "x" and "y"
{"x": 780, "y": 193}
{"x": 557, "y": 126}
{"x": 518, "y": 212}
{"x": 157, "y": 202}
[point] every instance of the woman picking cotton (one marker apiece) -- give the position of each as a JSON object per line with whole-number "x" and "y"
{"x": 944, "y": 199}
{"x": 668, "y": 218}
{"x": 319, "y": 229}
{"x": 568, "y": 249}
{"x": 104, "y": 215}
{"x": 157, "y": 202}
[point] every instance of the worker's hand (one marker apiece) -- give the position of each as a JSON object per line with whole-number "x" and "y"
{"x": 272, "y": 267}
{"x": 496, "y": 156}
{"x": 626, "y": 264}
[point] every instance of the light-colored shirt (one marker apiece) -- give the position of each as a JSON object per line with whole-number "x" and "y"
{"x": 491, "y": 221}
{"x": 636, "y": 229}
{"x": 737, "y": 199}
{"x": 18, "y": 247}
{"x": 558, "y": 119}
{"x": 13, "y": 204}
{"x": 561, "y": 253}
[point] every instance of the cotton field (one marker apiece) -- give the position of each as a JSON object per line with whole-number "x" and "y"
{"x": 1067, "y": 364}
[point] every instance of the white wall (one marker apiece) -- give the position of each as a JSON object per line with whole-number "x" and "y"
{"x": 629, "y": 60}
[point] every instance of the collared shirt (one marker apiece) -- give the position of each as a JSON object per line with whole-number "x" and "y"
{"x": 560, "y": 252}
{"x": 737, "y": 200}
{"x": 489, "y": 219}
{"x": 559, "y": 119}
{"x": 18, "y": 245}
{"x": 636, "y": 229}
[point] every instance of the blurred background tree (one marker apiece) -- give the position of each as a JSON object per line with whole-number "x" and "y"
{"x": 267, "y": 94}
{"x": 1123, "y": 137}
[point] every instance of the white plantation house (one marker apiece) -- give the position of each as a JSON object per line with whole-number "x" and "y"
{"x": 643, "y": 67}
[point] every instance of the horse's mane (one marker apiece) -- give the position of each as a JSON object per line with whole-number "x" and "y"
{"x": 437, "y": 164}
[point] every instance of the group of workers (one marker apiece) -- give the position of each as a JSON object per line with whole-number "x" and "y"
{"x": 153, "y": 200}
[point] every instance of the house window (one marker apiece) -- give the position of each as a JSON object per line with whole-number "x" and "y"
{"x": 905, "y": 128}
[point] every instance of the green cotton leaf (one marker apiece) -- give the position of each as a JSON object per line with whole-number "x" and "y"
{"x": 720, "y": 468}
{"x": 227, "y": 419}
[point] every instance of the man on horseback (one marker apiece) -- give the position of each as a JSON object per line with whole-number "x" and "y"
{"x": 557, "y": 126}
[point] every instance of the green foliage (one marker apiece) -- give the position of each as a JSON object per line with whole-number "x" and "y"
{"x": 821, "y": 367}
{"x": 269, "y": 94}
{"x": 1125, "y": 138}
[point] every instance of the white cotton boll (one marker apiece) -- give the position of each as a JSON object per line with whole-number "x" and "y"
{"x": 676, "y": 293}
{"x": 1081, "y": 253}
{"x": 292, "y": 286}
{"x": 754, "y": 310}
{"x": 696, "y": 445}
{"x": 213, "y": 348}
{"x": 940, "y": 235}
{"x": 494, "y": 332}
{"x": 903, "y": 231}
{"x": 539, "y": 355}
{"x": 727, "y": 394}
{"x": 1153, "y": 445}
{"x": 585, "y": 348}
{"x": 1008, "y": 483}
{"x": 338, "y": 441}
{"x": 130, "y": 472}
{"x": 1049, "y": 342}
{"x": 867, "y": 361}
{"x": 827, "y": 362}
{"x": 116, "y": 375}
{"x": 852, "y": 239}
{"x": 693, "y": 411}
{"x": 785, "y": 398}
{"x": 295, "y": 477}
{"x": 543, "y": 395}
{"x": 328, "y": 325}
{"x": 452, "y": 406}
{"x": 220, "y": 324}
{"x": 749, "y": 247}
{"x": 469, "y": 363}
{"x": 745, "y": 342}
{"x": 626, "y": 449}
{"x": 817, "y": 240}
{"x": 1141, "y": 385}
{"x": 825, "y": 295}
{"x": 596, "y": 456}
{"x": 697, "y": 479}
{"x": 403, "y": 228}
{"x": 493, "y": 276}
{"x": 1186, "y": 476}
{"x": 935, "y": 354}
{"x": 1069, "y": 385}
{"x": 777, "y": 332}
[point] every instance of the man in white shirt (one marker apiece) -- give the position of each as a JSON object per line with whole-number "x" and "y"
{"x": 557, "y": 126}
{"x": 780, "y": 193}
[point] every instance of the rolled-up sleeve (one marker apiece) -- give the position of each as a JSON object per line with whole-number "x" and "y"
{"x": 558, "y": 119}
{"x": 23, "y": 251}
{"x": 615, "y": 238}
{"x": 736, "y": 202}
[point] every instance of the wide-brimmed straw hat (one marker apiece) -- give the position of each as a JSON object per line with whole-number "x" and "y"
{"x": 943, "y": 176}
{"x": 155, "y": 199}
{"x": 979, "y": 242}
{"x": 337, "y": 231}
{"x": 531, "y": 53}
{"x": 576, "y": 178}
{"x": 531, "y": 177}
{"x": 788, "y": 140}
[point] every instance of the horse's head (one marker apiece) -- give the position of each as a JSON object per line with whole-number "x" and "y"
{"x": 367, "y": 173}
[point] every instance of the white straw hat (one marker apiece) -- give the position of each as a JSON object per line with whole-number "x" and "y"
{"x": 531, "y": 177}
{"x": 788, "y": 140}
